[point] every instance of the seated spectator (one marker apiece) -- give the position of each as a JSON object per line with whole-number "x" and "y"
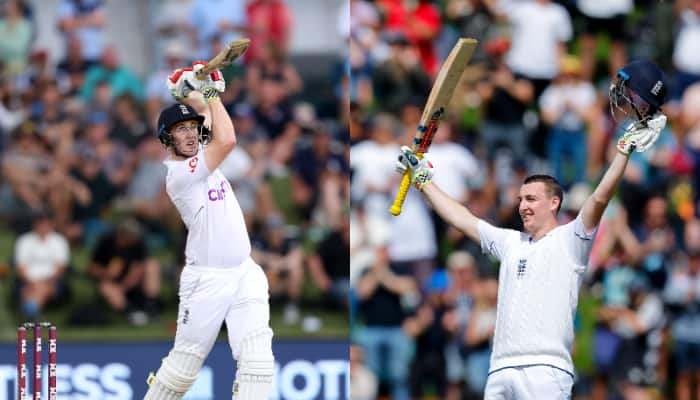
{"x": 328, "y": 265}
{"x": 71, "y": 71}
{"x": 41, "y": 257}
{"x": 120, "y": 78}
{"x": 127, "y": 278}
{"x": 129, "y": 126}
{"x": 281, "y": 256}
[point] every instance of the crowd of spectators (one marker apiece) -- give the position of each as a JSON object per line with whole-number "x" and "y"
{"x": 82, "y": 168}
{"x": 532, "y": 100}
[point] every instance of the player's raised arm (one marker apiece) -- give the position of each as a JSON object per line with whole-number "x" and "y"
{"x": 638, "y": 92}
{"x": 203, "y": 96}
{"x": 449, "y": 209}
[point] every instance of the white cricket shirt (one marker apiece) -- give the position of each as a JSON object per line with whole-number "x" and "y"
{"x": 217, "y": 235}
{"x": 538, "y": 287}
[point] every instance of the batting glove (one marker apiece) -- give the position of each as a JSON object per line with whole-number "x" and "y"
{"x": 179, "y": 83}
{"x": 212, "y": 85}
{"x": 640, "y": 138}
{"x": 421, "y": 169}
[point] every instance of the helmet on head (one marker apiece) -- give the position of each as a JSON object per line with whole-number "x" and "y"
{"x": 178, "y": 113}
{"x": 640, "y": 84}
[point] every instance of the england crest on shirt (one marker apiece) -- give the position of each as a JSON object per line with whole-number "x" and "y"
{"x": 522, "y": 266}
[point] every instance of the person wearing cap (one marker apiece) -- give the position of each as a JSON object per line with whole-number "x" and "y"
{"x": 220, "y": 282}
{"x": 543, "y": 266}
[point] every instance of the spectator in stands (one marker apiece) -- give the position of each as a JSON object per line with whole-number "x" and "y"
{"x": 41, "y": 258}
{"x": 379, "y": 292}
{"x": 281, "y": 256}
{"x": 85, "y": 19}
{"x": 72, "y": 69}
{"x": 120, "y": 78}
{"x": 127, "y": 278}
{"x": 400, "y": 76}
{"x": 658, "y": 242}
{"x": 268, "y": 21}
{"x": 328, "y": 265}
{"x": 607, "y": 17}
{"x": 428, "y": 368}
{"x": 363, "y": 383}
{"x": 157, "y": 94}
{"x": 479, "y": 333}
{"x": 505, "y": 96}
{"x": 129, "y": 125}
{"x": 463, "y": 278}
{"x": 271, "y": 64}
{"x": 16, "y": 35}
{"x": 570, "y": 107}
{"x": 217, "y": 17}
{"x": 687, "y": 66}
{"x": 682, "y": 294}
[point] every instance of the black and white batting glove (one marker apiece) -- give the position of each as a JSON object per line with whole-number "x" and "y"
{"x": 640, "y": 138}
{"x": 421, "y": 169}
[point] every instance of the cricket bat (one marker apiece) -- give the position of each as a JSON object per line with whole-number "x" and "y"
{"x": 225, "y": 57}
{"x": 434, "y": 109}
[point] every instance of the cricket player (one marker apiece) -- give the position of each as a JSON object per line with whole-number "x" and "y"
{"x": 541, "y": 269}
{"x": 220, "y": 282}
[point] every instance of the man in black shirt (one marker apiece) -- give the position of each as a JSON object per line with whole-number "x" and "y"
{"x": 127, "y": 278}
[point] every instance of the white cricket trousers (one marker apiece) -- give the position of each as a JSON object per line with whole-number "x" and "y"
{"x": 535, "y": 382}
{"x": 209, "y": 296}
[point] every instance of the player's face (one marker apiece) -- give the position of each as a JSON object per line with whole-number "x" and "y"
{"x": 185, "y": 137}
{"x": 536, "y": 206}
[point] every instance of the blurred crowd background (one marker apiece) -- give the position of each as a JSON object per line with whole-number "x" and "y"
{"x": 533, "y": 100}
{"x": 89, "y": 236}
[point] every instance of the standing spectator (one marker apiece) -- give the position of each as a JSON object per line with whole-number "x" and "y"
{"x": 41, "y": 257}
{"x": 386, "y": 345}
{"x": 479, "y": 333}
{"x": 686, "y": 64}
{"x": 268, "y": 21}
{"x": 120, "y": 78}
{"x": 85, "y": 19}
{"x": 505, "y": 97}
{"x": 607, "y": 17}
{"x": 210, "y": 18}
{"x": 570, "y": 107}
{"x": 127, "y": 278}
{"x": 16, "y": 34}
{"x": 429, "y": 365}
{"x": 682, "y": 294}
{"x": 540, "y": 30}
{"x": 658, "y": 242}
{"x": 422, "y": 26}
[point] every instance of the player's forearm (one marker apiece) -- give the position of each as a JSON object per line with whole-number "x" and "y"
{"x": 221, "y": 125}
{"x": 452, "y": 211}
{"x": 595, "y": 205}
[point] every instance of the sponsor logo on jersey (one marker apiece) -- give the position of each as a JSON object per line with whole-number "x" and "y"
{"x": 217, "y": 194}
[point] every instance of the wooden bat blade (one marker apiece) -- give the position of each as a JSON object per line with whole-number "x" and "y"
{"x": 225, "y": 57}
{"x": 435, "y": 107}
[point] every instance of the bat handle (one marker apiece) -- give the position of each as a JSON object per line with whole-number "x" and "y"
{"x": 401, "y": 194}
{"x": 395, "y": 209}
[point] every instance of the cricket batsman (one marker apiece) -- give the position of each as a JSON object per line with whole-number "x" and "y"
{"x": 541, "y": 269}
{"x": 220, "y": 281}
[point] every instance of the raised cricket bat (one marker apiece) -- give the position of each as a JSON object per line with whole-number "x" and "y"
{"x": 225, "y": 57}
{"x": 434, "y": 109}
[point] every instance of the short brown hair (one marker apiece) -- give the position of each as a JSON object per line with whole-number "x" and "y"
{"x": 553, "y": 186}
